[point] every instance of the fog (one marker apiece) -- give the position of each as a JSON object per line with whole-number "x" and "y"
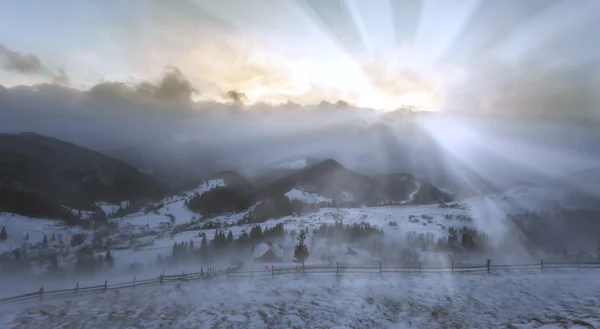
{"x": 156, "y": 127}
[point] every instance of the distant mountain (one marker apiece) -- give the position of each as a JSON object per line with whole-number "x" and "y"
{"x": 332, "y": 180}
{"x": 233, "y": 179}
{"x": 405, "y": 187}
{"x": 398, "y": 186}
{"x": 282, "y": 168}
{"x": 39, "y": 175}
{"x": 327, "y": 178}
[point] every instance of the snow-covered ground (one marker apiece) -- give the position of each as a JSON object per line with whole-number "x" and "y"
{"x": 310, "y": 198}
{"x": 552, "y": 299}
{"x": 19, "y": 227}
{"x": 486, "y": 213}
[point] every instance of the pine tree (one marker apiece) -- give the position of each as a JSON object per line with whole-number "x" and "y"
{"x": 204, "y": 248}
{"x": 45, "y": 241}
{"x": 300, "y": 250}
{"x": 215, "y": 240}
{"x": 3, "y": 235}
{"x": 27, "y": 237}
{"x": 53, "y": 238}
{"x": 230, "y": 239}
{"x": 109, "y": 259}
{"x": 222, "y": 239}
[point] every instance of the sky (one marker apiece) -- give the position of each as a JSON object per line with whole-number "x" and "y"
{"x": 506, "y": 89}
{"x": 381, "y": 54}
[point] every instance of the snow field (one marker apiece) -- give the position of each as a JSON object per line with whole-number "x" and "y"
{"x": 553, "y": 299}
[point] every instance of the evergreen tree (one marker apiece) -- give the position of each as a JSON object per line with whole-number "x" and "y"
{"x": 109, "y": 259}
{"x": 27, "y": 237}
{"x": 222, "y": 239}
{"x": 204, "y": 248}
{"x": 45, "y": 241}
{"x": 3, "y": 235}
{"x": 230, "y": 239}
{"x": 191, "y": 246}
{"x": 300, "y": 250}
{"x": 174, "y": 250}
{"x": 215, "y": 240}
{"x": 53, "y": 237}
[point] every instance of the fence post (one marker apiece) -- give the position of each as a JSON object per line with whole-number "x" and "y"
{"x": 419, "y": 267}
{"x": 42, "y": 292}
{"x": 542, "y": 263}
{"x": 380, "y": 269}
{"x": 76, "y": 287}
{"x": 577, "y": 258}
{"x": 337, "y": 268}
{"x": 452, "y": 266}
{"x": 105, "y": 284}
{"x": 489, "y": 266}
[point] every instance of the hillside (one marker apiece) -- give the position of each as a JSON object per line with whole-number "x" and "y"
{"x": 39, "y": 175}
{"x": 329, "y": 179}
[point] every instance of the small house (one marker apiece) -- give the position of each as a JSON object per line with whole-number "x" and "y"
{"x": 268, "y": 252}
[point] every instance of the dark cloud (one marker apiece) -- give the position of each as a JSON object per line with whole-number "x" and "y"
{"x": 29, "y": 64}
{"x": 173, "y": 86}
{"x": 237, "y": 97}
{"x": 18, "y": 62}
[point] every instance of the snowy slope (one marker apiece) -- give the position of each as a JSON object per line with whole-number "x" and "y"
{"x": 18, "y": 227}
{"x": 173, "y": 205}
{"x": 310, "y": 198}
{"x": 507, "y": 300}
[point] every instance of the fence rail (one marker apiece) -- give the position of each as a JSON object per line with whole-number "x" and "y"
{"x": 338, "y": 270}
{"x": 41, "y": 294}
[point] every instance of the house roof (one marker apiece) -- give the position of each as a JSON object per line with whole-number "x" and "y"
{"x": 262, "y": 248}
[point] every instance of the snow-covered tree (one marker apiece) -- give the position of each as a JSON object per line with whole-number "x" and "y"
{"x": 301, "y": 250}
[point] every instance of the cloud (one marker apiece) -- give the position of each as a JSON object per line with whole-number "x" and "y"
{"x": 237, "y": 97}
{"x": 18, "y": 62}
{"x": 28, "y": 64}
{"x": 529, "y": 89}
{"x": 172, "y": 86}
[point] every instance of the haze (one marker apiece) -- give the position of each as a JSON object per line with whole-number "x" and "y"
{"x": 505, "y": 87}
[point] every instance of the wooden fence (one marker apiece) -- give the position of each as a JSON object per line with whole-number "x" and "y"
{"x": 337, "y": 270}
{"x": 417, "y": 268}
{"x": 41, "y": 294}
